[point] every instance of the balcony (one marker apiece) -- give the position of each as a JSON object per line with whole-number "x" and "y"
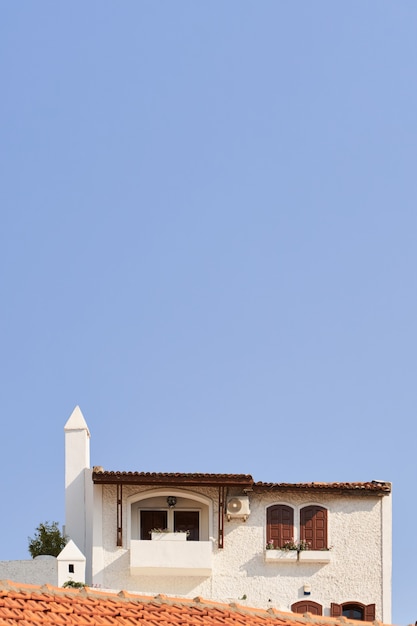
{"x": 170, "y": 557}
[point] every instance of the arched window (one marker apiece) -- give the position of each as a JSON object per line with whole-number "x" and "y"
{"x": 354, "y": 610}
{"x": 279, "y": 524}
{"x": 173, "y": 510}
{"x": 307, "y": 606}
{"x": 313, "y": 527}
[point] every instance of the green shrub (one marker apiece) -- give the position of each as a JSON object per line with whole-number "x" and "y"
{"x": 48, "y": 539}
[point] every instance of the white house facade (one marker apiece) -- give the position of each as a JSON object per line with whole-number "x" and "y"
{"x": 324, "y": 548}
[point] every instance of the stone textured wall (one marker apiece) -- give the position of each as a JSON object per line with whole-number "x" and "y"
{"x": 39, "y": 571}
{"x": 354, "y": 573}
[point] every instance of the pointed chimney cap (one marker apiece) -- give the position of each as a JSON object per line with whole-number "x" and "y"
{"x": 76, "y": 421}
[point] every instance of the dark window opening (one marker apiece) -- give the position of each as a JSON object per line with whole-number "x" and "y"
{"x": 150, "y": 520}
{"x": 71, "y": 568}
{"x": 188, "y": 521}
{"x": 184, "y": 521}
{"x": 354, "y": 610}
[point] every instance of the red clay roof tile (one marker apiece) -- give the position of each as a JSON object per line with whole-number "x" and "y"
{"x": 31, "y": 605}
{"x": 373, "y": 487}
{"x": 244, "y": 480}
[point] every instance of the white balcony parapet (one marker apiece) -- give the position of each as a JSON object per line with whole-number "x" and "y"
{"x": 166, "y": 558}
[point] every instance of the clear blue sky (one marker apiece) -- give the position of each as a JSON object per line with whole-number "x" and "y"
{"x": 208, "y": 242}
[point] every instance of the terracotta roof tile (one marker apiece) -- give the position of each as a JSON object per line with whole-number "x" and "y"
{"x": 374, "y": 486}
{"x": 31, "y": 605}
{"x": 244, "y": 480}
{"x": 169, "y": 478}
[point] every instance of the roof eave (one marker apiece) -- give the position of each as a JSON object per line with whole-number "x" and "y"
{"x": 186, "y": 480}
{"x": 357, "y": 489}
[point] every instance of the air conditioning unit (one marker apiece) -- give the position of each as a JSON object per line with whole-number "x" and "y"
{"x": 238, "y": 507}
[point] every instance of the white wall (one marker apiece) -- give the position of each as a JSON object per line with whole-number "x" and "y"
{"x": 77, "y": 465}
{"x": 359, "y": 529}
{"x": 356, "y": 572}
{"x": 71, "y": 564}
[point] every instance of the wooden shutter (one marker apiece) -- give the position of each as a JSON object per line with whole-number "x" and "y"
{"x": 280, "y": 524}
{"x": 335, "y": 610}
{"x": 307, "y": 606}
{"x": 313, "y": 520}
{"x": 353, "y": 610}
{"x": 369, "y": 615}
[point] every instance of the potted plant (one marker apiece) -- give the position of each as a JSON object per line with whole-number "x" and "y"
{"x": 283, "y": 554}
{"x": 289, "y": 551}
{"x": 165, "y": 534}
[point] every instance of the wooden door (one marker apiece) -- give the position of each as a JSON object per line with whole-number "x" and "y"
{"x": 150, "y": 520}
{"x": 188, "y": 521}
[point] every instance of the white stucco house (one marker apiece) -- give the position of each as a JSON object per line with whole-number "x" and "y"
{"x": 222, "y": 536}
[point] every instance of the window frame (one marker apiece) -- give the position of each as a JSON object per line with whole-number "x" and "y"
{"x": 280, "y": 540}
{"x": 315, "y": 605}
{"x": 368, "y": 610}
{"x": 145, "y": 500}
{"x": 170, "y": 517}
{"x": 315, "y": 542}
{"x": 299, "y": 530}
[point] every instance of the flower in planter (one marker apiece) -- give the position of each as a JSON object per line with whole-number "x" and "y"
{"x": 289, "y": 545}
{"x": 296, "y": 545}
{"x": 167, "y": 530}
